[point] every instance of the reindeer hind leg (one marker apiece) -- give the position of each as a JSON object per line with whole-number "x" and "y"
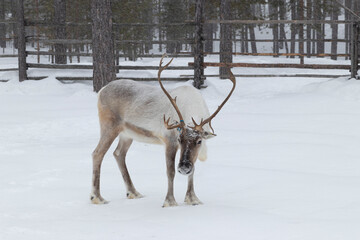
{"x": 109, "y": 131}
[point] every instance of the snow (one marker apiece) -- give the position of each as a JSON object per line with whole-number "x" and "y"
{"x": 284, "y": 165}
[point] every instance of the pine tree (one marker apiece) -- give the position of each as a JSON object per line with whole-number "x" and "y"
{"x": 319, "y": 15}
{"x": 103, "y": 48}
{"x": 274, "y": 15}
{"x": 309, "y": 5}
{"x": 210, "y": 13}
{"x": 60, "y": 19}
{"x": 225, "y": 37}
{"x": 174, "y": 12}
{"x": 282, "y": 16}
{"x": 139, "y": 11}
{"x": 2, "y": 25}
{"x": 334, "y": 27}
{"x": 293, "y": 27}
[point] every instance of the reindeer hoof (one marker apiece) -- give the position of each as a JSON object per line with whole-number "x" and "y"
{"x": 134, "y": 195}
{"x": 192, "y": 200}
{"x": 98, "y": 200}
{"x": 170, "y": 203}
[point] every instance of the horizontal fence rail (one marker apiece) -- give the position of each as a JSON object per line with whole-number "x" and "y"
{"x": 275, "y": 65}
{"x": 283, "y": 40}
{"x": 282, "y": 54}
{"x": 55, "y": 24}
{"x": 278, "y": 75}
{"x": 8, "y": 69}
{"x": 8, "y": 22}
{"x": 117, "y": 78}
{"x": 192, "y": 23}
{"x": 46, "y": 53}
{"x": 8, "y": 55}
{"x": 88, "y": 41}
{"x": 82, "y": 66}
{"x": 260, "y": 22}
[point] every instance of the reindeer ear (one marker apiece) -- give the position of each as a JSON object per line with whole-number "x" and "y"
{"x": 207, "y": 135}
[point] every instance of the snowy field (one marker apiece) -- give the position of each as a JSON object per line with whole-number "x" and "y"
{"x": 284, "y": 166}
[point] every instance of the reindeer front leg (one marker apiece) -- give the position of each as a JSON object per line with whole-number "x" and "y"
{"x": 191, "y": 197}
{"x": 170, "y": 170}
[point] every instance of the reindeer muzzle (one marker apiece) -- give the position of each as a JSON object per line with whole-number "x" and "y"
{"x": 185, "y": 168}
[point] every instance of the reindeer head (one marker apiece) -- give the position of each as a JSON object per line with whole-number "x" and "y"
{"x": 190, "y": 137}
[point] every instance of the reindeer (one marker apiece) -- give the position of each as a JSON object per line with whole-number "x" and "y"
{"x": 134, "y": 111}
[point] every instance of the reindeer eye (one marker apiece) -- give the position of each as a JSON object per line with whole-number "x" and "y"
{"x": 199, "y": 142}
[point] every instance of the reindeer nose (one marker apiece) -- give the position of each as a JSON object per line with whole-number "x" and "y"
{"x": 185, "y": 168}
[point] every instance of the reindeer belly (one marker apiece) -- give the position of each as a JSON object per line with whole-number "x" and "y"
{"x": 140, "y": 134}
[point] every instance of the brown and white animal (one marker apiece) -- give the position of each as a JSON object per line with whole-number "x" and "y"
{"x": 134, "y": 111}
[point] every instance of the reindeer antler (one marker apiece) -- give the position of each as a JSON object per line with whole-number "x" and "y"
{"x": 199, "y": 127}
{"x": 181, "y": 125}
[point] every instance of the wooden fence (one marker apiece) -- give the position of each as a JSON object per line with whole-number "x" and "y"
{"x": 354, "y": 42}
{"x": 197, "y": 42}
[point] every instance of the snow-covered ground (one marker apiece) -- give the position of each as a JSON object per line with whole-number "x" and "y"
{"x": 284, "y": 166}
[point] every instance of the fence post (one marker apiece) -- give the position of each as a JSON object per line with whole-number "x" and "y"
{"x": 354, "y": 49}
{"x": 198, "y": 48}
{"x": 21, "y": 41}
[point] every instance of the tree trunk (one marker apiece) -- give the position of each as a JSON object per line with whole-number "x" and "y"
{"x": 170, "y": 46}
{"x": 225, "y": 38}
{"x": 274, "y": 15}
{"x": 282, "y": 16}
{"x": 301, "y": 30}
{"x": 308, "y": 27}
{"x": 252, "y": 30}
{"x": 149, "y": 16}
{"x": 77, "y": 19}
{"x": 60, "y": 19}
{"x": 252, "y": 38}
{"x": 242, "y": 35}
{"x": 347, "y": 28}
{"x": 14, "y": 27}
{"x": 246, "y": 39}
{"x": 160, "y": 21}
{"x": 313, "y": 47}
{"x": 354, "y": 7}
{"x": 334, "y": 27}
{"x": 293, "y": 27}
{"x": 208, "y": 30}
{"x": 319, "y": 30}
{"x": 2, "y": 25}
{"x": 198, "y": 47}
{"x": 355, "y": 40}
{"x": 103, "y": 47}
{"x": 21, "y": 40}
{"x": 355, "y": 49}
{"x": 37, "y": 30}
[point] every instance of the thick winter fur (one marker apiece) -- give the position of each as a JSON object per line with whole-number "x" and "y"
{"x": 134, "y": 111}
